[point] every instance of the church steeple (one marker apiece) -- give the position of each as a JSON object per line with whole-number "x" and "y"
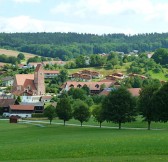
{"x": 39, "y": 80}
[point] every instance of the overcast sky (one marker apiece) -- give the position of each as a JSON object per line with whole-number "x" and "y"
{"x": 84, "y": 16}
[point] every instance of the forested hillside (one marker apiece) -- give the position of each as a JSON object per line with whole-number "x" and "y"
{"x": 69, "y": 45}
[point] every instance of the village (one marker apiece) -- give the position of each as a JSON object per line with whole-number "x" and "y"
{"x": 28, "y": 94}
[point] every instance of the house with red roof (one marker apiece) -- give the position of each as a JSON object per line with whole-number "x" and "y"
{"x": 48, "y": 74}
{"x": 23, "y": 111}
{"x": 95, "y": 87}
{"x": 134, "y": 91}
{"x": 29, "y": 84}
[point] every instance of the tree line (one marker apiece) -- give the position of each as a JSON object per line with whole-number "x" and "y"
{"x": 69, "y": 45}
{"x": 118, "y": 107}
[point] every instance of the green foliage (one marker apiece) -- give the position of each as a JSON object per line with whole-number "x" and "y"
{"x": 60, "y": 78}
{"x": 98, "y": 113}
{"x": 52, "y": 89}
{"x": 49, "y": 112}
{"x": 38, "y": 115}
{"x": 119, "y": 106}
{"x": 69, "y": 45}
{"x": 1, "y": 111}
{"x": 97, "y": 60}
{"x": 81, "y": 111}
{"x": 132, "y": 82}
{"x": 161, "y": 56}
{"x": 157, "y": 69}
{"x": 64, "y": 110}
{"x": 86, "y": 89}
{"x": 11, "y": 59}
{"x": 160, "y": 102}
{"x": 145, "y": 104}
{"x": 80, "y": 61}
{"x": 98, "y": 99}
{"x": 18, "y": 100}
{"x": 34, "y": 59}
{"x": 21, "y": 56}
{"x": 77, "y": 93}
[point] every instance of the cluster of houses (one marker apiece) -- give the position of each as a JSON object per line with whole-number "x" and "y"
{"x": 32, "y": 90}
{"x": 85, "y": 75}
{"x": 44, "y": 63}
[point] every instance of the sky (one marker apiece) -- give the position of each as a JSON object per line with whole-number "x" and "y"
{"x": 84, "y": 16}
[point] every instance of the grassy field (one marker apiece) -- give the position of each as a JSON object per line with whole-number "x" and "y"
{"x": 31, "y": 143}
{"x": 102, "y": 70}
{"x": 15, "y": 53}
{"x": 160, "y": 76}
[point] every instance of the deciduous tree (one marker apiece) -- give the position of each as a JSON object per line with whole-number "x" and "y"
{"x": 81, "y": 111}
{"x": 98, "y": 114}
{"x": 49, "y": 112}
{"x": 145, "y": 104}
{"x": 119, "y": 106}
{"x": 64, "y": 109}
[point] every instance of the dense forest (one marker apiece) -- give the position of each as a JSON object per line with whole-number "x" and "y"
{"x": 69, "y": 45}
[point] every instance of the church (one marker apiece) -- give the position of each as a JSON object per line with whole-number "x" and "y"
{"x": 29, "y": 84}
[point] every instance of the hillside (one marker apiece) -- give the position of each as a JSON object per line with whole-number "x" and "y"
{"x": 69, "y": 45}
{"x": 15, "y": 53}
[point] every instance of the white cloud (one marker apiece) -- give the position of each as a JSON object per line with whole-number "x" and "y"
{"x": 92, "y": 16}
{"x": 20, "y": 24}
{"x": 27, "y": 1}
{"x": 84, "y": 8}
{"x": 28, "y": 24}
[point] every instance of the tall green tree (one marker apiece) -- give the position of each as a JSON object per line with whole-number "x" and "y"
{"x": 161, "y": 56}
{"x": 21, "y": 56}
{"x": 77, "y": 93}
{"x": 63, "y": 75}
{"x": 1, "y": 111}
{"x": 64, "y": 109}
{"x": 49, "y": 112}
{"x": 81, "y": 111}
{"x": 160, "y": 102}
{"x": 119, "y": 106}
{"x": 145, "y": 104}
{"x": 98, "y": 114}
{"x": 81, "y": 61}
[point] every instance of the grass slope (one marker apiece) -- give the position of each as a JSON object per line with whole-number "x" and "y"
{"x": 28, "y": 143}
{"x": 15, "y": 53}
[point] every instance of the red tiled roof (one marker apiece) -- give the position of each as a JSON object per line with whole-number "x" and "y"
{"x": 104, "y": 92}
{"x": 134, "y": 91}
{"x": 21, "y": 78}
{"x": 91, "y": 85}
{"x": 54, "y": 62}
{"x": 46, "y": 97}
{"x": 29, "y": 82}
{"x": 6, "y": 102}
{"x": 21, "y": 107}
{"x": 51, "y": 72}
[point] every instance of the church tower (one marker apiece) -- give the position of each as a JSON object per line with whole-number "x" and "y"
{"x": 39, "y": 80}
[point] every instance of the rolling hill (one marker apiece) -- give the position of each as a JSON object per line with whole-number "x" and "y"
{"x": 15, "y": 53}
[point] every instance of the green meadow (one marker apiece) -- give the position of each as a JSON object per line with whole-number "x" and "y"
{"x": 51, "y": 143}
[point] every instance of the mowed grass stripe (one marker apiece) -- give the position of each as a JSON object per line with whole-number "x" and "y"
{"x": 29, "y": 142}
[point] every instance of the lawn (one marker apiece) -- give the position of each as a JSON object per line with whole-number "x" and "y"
{"x": 160, "y": 75}
{"x": 102, "y": 70}
{"x": 31, "y": 143}
{"x": 15, "y": 53}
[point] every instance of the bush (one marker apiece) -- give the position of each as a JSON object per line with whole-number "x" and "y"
{"x": 37, "y": 115}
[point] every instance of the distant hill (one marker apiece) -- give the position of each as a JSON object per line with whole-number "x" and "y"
{"x": 15, "y": 53}
{"x": 69, "y": 45}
